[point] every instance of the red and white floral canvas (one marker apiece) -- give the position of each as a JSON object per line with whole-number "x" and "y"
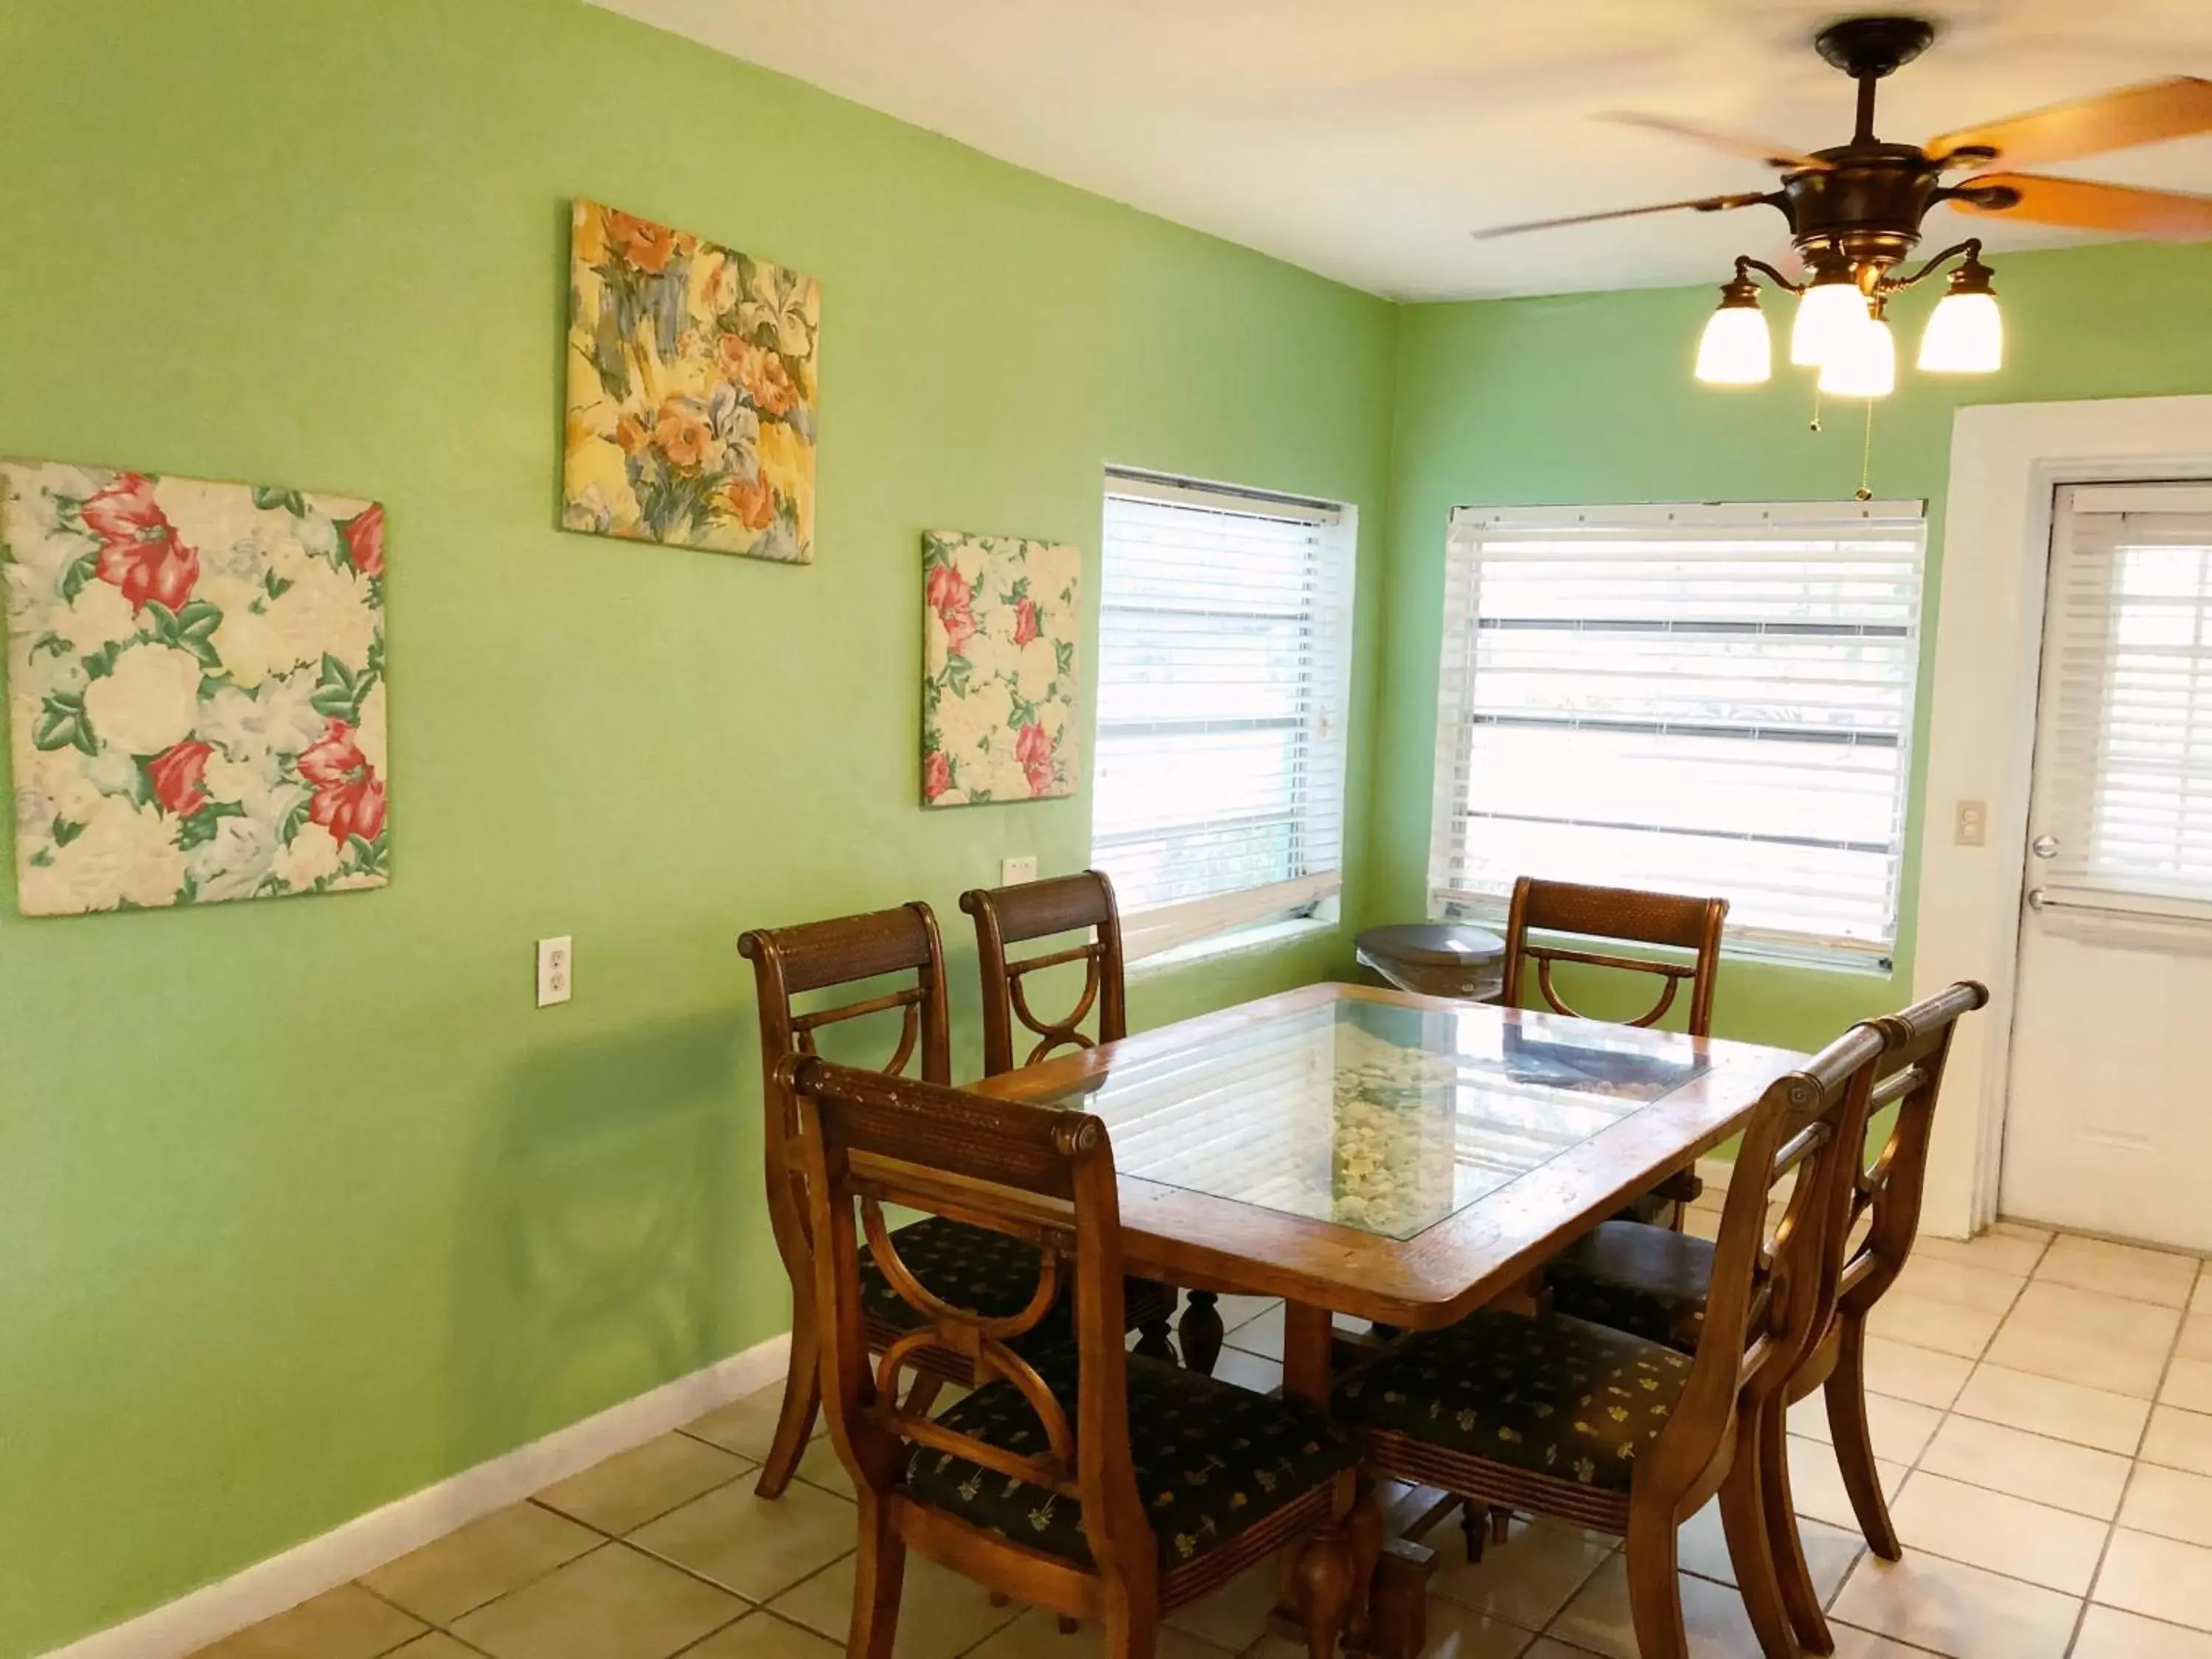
{"x": 196, "y": 689}
{"x": 998, "y": 697}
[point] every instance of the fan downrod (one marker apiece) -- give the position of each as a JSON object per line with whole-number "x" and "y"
{"x": 1871, "y": 47}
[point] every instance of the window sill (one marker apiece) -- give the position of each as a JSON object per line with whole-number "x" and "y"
{"x": 1235, "y": 941}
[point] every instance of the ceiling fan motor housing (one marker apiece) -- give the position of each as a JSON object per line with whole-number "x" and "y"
{"x": 1865, "y": 208}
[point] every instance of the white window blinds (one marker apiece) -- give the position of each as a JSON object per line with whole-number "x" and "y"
{"x": 2123, "y": 761}
{"x": 1692, "y": 699}
{"x": 1224, "y": 675}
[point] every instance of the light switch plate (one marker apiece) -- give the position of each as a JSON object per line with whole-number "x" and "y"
{"x": 556, "y": 978}
{"x": 1012, "y": 872}
{"x": 1973, "y": 824}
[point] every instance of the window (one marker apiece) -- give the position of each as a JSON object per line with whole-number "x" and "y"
{"x": 2124, "y": 784}
{"x": 1225, "y": 635}
{"x": 1710, "y": 700}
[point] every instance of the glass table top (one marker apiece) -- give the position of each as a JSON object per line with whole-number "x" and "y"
{"x": 1374, "y": 1115}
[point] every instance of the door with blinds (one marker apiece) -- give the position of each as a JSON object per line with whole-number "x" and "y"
{"x": 2108, "y": 1119}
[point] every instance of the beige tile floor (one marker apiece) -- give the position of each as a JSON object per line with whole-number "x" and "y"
{"x": 2042, "y": 1407}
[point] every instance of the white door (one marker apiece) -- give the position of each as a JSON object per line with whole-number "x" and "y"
{"x": 2108, "y": 1124}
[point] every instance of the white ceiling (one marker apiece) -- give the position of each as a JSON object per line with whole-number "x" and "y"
{"x": 1365, "y": 140}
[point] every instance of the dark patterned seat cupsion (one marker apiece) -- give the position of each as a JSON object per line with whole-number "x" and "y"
{"x": 1211, "y": 1459}
{"x": 985, "y": 1273}
{"x": 1649, "y": 1281}
{"x": 1553, "y": 1395}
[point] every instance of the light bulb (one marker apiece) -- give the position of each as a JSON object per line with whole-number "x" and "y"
{"x": 1825, "y": 311}
{"x": 1862, "y": 361}
{"x": 1737, "y": 349}
{"x": 1965, "y": 335}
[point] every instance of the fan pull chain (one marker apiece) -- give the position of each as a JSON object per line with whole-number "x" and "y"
{"x": 1866, "y": 457}
{"x": 1815, "y": 425}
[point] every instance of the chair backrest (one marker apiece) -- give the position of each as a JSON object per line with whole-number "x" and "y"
{"x": 790, "y": 961}
{"x": 1040, "y": 1175}
{"x": 1887, "y": 1192}
{"x": 1624, "y": 913}
{"x": 1039, "y": 909}
{"x": 1774, "y": 1290}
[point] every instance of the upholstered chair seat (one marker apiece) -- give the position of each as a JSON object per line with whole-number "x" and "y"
{"x": 987, "y": 1273}
{"x": 1555, "y": 1396}
{"x": 1211, "y": 1460}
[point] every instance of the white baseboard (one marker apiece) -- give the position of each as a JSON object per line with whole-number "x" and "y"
{"x": 268, "y": 1587}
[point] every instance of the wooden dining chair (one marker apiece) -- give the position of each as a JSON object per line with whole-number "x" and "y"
{"x": 985, "y": 1269}
{"x": 1559, "y": 1416}
{"x": 1034, "y": 910}
{"x": 1034, "y": 1484}
{"x": 1885, "y": 1201}
{"x": 1655, "y": 1284}
{"x": 1627, "y": 915}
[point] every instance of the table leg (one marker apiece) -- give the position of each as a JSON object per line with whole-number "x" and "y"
{"x": 1308, "y": 1343}
{"x": 1308, "y": 1348}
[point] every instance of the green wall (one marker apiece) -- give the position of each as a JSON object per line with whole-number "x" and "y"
{"x": 303, "y": 1205}
{"x": 1589, "y": 397}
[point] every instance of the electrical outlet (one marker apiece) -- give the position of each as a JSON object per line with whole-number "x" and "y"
{"x": 1972, "y": 828}
{"x": 556, "y": 975}
{"x": 1012, "y": 872}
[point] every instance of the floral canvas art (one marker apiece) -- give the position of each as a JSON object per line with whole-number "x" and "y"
{"x": 998, "y": 697}
{"x": 195, "y": 689}
{"x": 690, "y": 415}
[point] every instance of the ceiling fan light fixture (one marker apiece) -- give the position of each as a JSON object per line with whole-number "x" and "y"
{"x": 1965, "y": 332}
{"x": 1826, "y": 310}
{"x": 1863, "y": 362}
{"x": 1737, "y": 349}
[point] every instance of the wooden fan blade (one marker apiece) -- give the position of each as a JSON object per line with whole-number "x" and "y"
{"x": 1736, "y": 143}
{"x": 2088, "y": 126}
{"x": 2165, "y": 215}
{"x": 1700, "y": 204}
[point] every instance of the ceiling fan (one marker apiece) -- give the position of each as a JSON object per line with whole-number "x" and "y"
{"x": 1856, "y": 212}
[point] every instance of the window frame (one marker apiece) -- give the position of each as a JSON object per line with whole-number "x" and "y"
{"x": 1457, "y": 704}
{"x": 1249, "y": 917}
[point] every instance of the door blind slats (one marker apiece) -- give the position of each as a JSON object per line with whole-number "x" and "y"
{"x": 1223, "y": 680}
{"x": 2124, "y": 759}
{"x": 1710, "y": 700}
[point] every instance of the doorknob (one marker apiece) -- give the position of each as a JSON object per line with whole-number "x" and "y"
{"x": 2045, "y": 846}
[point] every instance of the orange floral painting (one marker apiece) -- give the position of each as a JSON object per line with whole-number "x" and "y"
{"x": 691, "y": 391}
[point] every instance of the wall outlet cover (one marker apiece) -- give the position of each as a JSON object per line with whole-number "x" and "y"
{"x": 557, "y": 978}
{"x": 1973, "y": 824}
{"x": 1012, "y": 872}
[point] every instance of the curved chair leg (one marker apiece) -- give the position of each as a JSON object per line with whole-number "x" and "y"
{"x": 1655, "y": 1585}
{"x": 1365, "y": 1529}
{"x": 1800, "y": 1599}
{"x": 1847, "y": 1421}
{"x": 1201, "y": 1331}
{"x": 802, "y": 1399}
{"x": 1325, "y": 1575}
{"x": 1743, "y": 1518}
{"x": 1132, "y": 1632}
{"x": 878, "y": 1576}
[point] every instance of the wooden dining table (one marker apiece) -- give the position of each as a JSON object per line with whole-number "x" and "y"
{"x": 1399, "y": 1158}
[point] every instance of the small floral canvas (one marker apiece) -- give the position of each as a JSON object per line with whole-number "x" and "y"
{"x": 690, "y": 414}
{"x": 998, "y": 696}
{"x": 195, "y": 689}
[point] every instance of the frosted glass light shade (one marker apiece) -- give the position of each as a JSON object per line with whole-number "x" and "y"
{"x": 1964, "y": 335}
{"x": 1825, "y": 311}
{"x": 1861, "y": 362}
{"x": 1737, "y": 349}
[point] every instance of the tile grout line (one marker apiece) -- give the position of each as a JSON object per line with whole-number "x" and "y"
{"x": 2134, "y": 1465}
